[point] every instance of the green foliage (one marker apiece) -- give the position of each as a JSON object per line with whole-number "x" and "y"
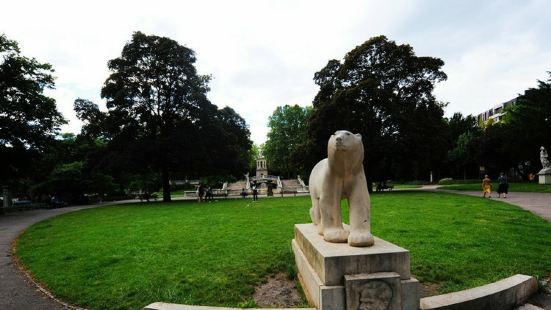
{"x": 286, "y": 140}
{"x": 216, "y": 181}
{"x": 527, "y": 127}
{"x": 148, "y": 183}
{"x": 159, "y": 118}
{"x": 153, "y": 94}
{"x": 229, "y": 146}
{"x": 465, "y": 153}
{"x": 515, "y": 142}
{"x": 93, "y": 118}
{"x": 459, "y": 124}
{"x": 255, "y": 152}
{"x": 128, "y": 256}
{"x": 29, "y": 120}
{"x": 64, "y": 169}
{"x": 384, "y": 92}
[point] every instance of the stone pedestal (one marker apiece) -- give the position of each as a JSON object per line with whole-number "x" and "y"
{"x": 545, "y": 176}
{"x": 338, "y": 276}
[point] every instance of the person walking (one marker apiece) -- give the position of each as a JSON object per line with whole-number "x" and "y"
{"x": 201, "y": 193}
{"x": 210, "y": 195}
{"x": 503, "y": 187}
{"x": 255, "y": 193}
{"x": 486, "y": 187}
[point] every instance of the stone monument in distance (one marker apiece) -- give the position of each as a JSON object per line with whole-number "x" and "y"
{"x": 545, "y": 172}
{"x": 341, "y": 266}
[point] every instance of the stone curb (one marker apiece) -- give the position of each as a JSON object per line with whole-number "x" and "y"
{"x": 169, "y": 306}
{"x": 503, "y": 294}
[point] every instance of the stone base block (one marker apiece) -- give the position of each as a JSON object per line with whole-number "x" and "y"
{"x": 411, "y": 293}
{"x": 544, "y": 178}
{"x": 332, "y": 261}
{"x": 335, "y": 274}
{"x": 318, "y": 294}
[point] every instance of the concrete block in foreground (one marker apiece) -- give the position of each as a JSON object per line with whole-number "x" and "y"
{"x": 168, "y": 306}
{"x": 503, "y": 294}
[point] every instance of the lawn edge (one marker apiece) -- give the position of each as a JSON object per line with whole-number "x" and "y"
{"x": 30, "y": 279}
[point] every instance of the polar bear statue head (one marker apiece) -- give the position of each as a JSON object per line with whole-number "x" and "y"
{"x": 345, "y": 148}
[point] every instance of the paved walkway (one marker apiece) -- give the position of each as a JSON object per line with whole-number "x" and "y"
{"x": 537, "y": 203}
{"x": 15, "y": 292}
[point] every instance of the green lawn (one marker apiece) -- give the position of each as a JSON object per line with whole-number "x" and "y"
{"x": 405, "y": 186}
{"x": 513, "y": 187}
{"x": 128, "y": 256}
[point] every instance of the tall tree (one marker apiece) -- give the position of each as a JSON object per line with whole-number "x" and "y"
{"x": 28, "y": 118}
{"x": 464, "y": 155}
{"x": 527, "y": 127}
{"x": 159, "y": 118}
{"x": 153, "y": 92}
{"x": 383, "y": 91}
{"x": 286, "y": 138}
{"x": 459, "y": 124}
{"x": 463, "y": 144}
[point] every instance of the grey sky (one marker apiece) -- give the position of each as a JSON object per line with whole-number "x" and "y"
{"x": 262, "y": 54}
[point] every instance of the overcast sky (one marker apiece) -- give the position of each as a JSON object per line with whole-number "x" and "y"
{"x": 263, "y": 54}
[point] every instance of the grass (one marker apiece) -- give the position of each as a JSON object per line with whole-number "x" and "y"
{"x": 405, "y": 186}
{"x": 513, "y": 187}
{"x": 127, "y": 256}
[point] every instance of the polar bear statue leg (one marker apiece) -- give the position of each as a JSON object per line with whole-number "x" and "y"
{"x": 331, "y": 220}
{"x": 359, "y": 202}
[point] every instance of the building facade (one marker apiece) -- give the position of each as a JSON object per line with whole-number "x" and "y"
{"x": 261, "y": 168}
{"x": 494, "y": 114}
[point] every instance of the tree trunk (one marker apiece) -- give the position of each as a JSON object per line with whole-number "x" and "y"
{"x": 166, "y": 183}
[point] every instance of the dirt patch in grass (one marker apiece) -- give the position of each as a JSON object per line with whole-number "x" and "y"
{"x": 278, "y": 291}
{"x": 543, "y": 297}
{"x": 429, "y": 289}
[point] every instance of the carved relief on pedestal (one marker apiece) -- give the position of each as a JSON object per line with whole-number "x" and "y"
{"x": 375, "y": 295}
{"x": 374, "y": 291}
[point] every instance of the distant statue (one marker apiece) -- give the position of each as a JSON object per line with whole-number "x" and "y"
{"x": 544, "y": 158}
{"x": 300, "y": 181}
{"x": 247, "y": 181}
{"x": 339, "y": 176}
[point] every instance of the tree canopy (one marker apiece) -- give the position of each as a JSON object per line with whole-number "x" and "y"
{"x": 383, "y": 91}
{"x": 286, "y": 139}
{"x": 28, "y": 118}
{"x": 159, "y": 118}
{"x": 526, "y": 126}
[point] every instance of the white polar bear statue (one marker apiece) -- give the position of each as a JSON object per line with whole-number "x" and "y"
{"x": 339, "y": 176}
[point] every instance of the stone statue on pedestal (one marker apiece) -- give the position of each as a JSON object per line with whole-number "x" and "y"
{"x": 339, "y": 176}
{"x": 545, "y": 172}
{"x": 544, "y": 158}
